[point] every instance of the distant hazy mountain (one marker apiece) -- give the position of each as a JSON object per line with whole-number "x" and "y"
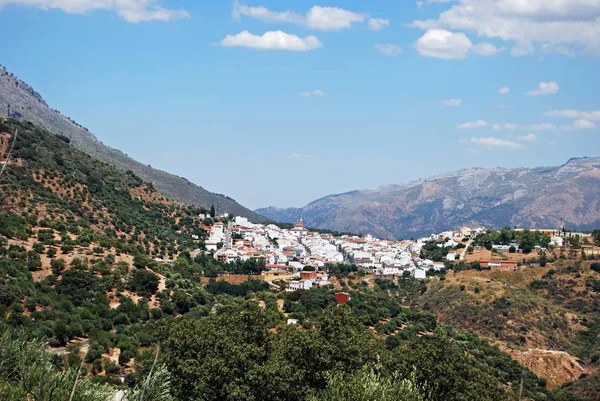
{"x": 26, "y": 104}
{"x": 494, "y": 197}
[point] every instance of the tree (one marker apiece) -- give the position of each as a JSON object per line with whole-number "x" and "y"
{"x": 57, "y": 265}
{"x": 51, "y": 252}
{"x": 368, "y": 385}
{"x": 213, "y": 213}
{"x": 143, "y": 282}
{"x": 79, "y": 286}
{"x": 29, "y": 372}
{"x": 218, "y": 357}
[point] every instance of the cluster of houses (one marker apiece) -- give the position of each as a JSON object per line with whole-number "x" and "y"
{"x": 301, "y": 257}
{"x": 288, "y": 252}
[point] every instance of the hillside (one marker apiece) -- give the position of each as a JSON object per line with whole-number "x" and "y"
{"x": 78, "y": 243}
{"x": 26, "y": 104}
{"x": 525, "y": 197}
{"x": 58, "y": 186}
{"x": 545, "y": 318}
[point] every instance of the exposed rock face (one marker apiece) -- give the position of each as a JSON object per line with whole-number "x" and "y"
{"x": 556, "y": 367}
{"x": 23, "y": 102}
{"x": 524, "y": 197}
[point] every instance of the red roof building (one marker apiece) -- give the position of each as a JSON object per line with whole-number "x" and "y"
{"x": 342, "y": 298}
{"x": 498, "y": 264}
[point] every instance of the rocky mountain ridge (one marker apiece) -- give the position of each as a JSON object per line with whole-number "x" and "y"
{"x": 524, "y": 197}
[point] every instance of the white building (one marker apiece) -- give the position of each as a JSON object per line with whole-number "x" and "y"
{"x": 420, "y": 274}
{"x": 300, "y": 285}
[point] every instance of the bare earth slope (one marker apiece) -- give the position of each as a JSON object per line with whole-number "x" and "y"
{"x": 496, "y": 197}
{"x": 26, "y": 104}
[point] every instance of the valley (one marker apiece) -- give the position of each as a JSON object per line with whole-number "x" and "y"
{"x": 110, "y": 273}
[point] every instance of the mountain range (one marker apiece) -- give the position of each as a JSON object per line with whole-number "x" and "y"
{"x": 19, "y": 100}
{"x": 542, "y": 197}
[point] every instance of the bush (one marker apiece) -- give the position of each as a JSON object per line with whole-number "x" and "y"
{"x": 595, "y": 267}
{"x": 58, "y": 265}
{"x": 143, "y": 282}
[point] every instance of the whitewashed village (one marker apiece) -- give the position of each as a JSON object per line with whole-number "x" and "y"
{"x": 301, "y": 257}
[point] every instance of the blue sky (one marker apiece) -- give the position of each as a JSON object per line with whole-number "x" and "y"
{"x": 282, "y": 102}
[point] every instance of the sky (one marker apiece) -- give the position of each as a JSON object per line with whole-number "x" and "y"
{"x": 283, "y": 102}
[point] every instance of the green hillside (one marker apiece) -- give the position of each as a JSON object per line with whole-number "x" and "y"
{"x": 79, "y": 286}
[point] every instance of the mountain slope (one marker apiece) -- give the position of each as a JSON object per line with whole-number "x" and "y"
{"x": 26, "y": 104}
{"x": 495, "y": 197}
{"x": 50, "y": 180}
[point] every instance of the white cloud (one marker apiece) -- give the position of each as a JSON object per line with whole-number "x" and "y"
{"x": 377, "y": 24}
{"x": 538, "y": 127}
{"x": 579, "y": 125}
{"x": 556, "y": 48}
{"x": 522, "y": 49}
{"x": 421, "y": 3}
{"x": 448, "y": 45}
{"x": 528, "y": 138}
{"x": 388, "y": 49}
{"x": 593, "y": 115}
{"x": 504, "y": 90}
{"x": 504, "y": 106}
{"x": 320, "y": 18}
{"x": 316, "y": 92}
{"x": 473, "y": 124}
{"x": 272, "y": 40}
{"x": 529, "y": 127}
{"x": 332, "y": 18}
{"x": 299, "y": 156}
{"x": 497, "y": 127}
{"x": 265, "y": 15}
{"x": 133, "y": 11}
{"x": 493, "y": 142}
{"x": 486, "y": 49}
{"x": 544, "y": 88}
{"x": 452, "y": 102}
{"x": 555, "y": 24}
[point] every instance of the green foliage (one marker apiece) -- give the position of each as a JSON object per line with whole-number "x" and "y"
{"x": 240, "y": 290}
{"x": 12, "y": 226}
{"x": 232, "y": 355}
{"x": 143, "y": 282}
{"x": 28, "y": 371}
{"x": 432, "y": 251}
{"x": 526, "y": 239}
{"x": 368, "y": 385}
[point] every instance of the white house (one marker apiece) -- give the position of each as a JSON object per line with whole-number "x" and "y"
{"x": 387, "y": 271}
{"x": 420, "y": 273}
{"x": 437, "y": 266}
{"x": 300, "y": 285}
{"x": 211, "y": 245}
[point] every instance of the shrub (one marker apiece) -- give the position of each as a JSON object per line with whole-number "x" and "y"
{"x": 143, "y": 282}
